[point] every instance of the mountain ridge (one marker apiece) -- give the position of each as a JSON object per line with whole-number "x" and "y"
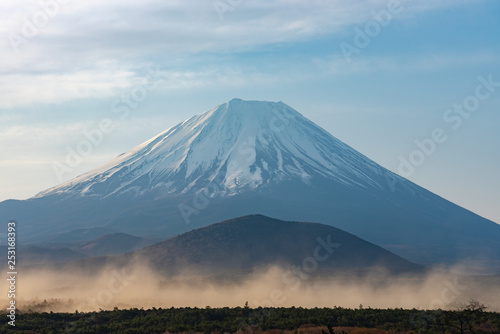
{"x": 235, "y": 143}
{"x": 246, "y": 157}
{"x": 256, "y": 243}
{"x": 237, "y": 242}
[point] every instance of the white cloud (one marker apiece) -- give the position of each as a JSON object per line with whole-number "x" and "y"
{"x": 337, "y": 64}
{"x": 92, "y": 49}
{"x": 107, "y": 81}
{"x": 26, "y": 89}
{"x": 16, "y": 140}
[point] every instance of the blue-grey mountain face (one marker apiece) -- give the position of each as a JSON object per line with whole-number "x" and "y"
{"x": 247, "y": 157}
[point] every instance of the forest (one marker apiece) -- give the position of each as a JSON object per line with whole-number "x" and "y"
{"x": 472, "y": 318}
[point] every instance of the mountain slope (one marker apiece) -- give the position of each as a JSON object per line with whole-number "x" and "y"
{"x": 62, "y": 252}
{"x": 250, "y": 242}
{"x": 241, "y": 144}
{"x": 247, "y": 157}
{"x": 34, "y": 255}
{"x": 112, "y": 244}
{"x": 256, "y": 242}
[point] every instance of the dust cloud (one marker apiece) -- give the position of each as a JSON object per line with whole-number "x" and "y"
{"x": 141, "y": 287}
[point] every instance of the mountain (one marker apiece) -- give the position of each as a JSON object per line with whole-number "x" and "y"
{"x": 34, "y": 255}
{"x": 250, "y": 242}
{"x": 248, "y": 157}
{"x": 253, "y": 243}
{"x": 84, "y": 234}
{"x": 112, "y": 244}
{"x": 242, "y": 145}
{"x": 108, "y": 244}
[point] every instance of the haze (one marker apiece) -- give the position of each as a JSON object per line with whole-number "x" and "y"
{"x": 141, "y": 287}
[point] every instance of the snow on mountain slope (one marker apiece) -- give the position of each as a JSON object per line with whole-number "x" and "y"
{"x": 240, "y": 144}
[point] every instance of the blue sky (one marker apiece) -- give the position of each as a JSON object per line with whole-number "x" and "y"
{"x": 62, "y": 68}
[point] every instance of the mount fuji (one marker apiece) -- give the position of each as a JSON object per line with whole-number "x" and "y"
{"x": 242, "y": 145}
{"x": 253, "y": 157}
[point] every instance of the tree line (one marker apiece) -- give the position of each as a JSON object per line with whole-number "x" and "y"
{"x": 471, "y": 319}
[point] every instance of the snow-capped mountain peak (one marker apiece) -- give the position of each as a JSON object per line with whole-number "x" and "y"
{"x": 240, "y": 145}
